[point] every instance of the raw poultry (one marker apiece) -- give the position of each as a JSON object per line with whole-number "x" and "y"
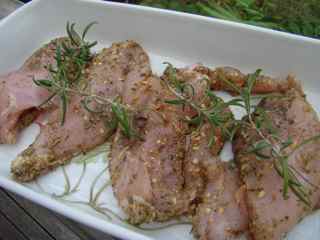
{"x": 163, "y": 164}
{"x": 82, "y": 130}
{"x": 20, "y": 98}
{"x": 291, "y": 117}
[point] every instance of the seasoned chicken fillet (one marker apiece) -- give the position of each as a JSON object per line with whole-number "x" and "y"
{"x": 292, "y": 117}
{"x": 220, "y": 77}
{"x": 82, "y": 130}
{"x": 167, "y": 167}
{"x": 147, "y": 176}
{"x": 20, "y": 97}
{"x": 222, "y": 214}
{"x": 165, "y": 174}
{"x": 146, "y": 171}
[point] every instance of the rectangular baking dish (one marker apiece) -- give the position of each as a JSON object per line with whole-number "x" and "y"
{"x": 180, "y": 38}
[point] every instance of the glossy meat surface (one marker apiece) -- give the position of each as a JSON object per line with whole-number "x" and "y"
{"x": 20, "y": 98}
{"x": 222, "y": 214}
{"x": 220, "y": 77}
{"x": 168, "y": 173}
{"x": 271, "y": 216}
{"x": 146, "y": 172}
{"x": 82, "y": 130}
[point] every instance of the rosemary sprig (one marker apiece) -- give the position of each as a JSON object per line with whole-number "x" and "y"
{"x": 269, "y": 145}
{"x": 68, "y": 189}
{"x": 215, "y": 112}
{"x": 92, "y": 156}
{"x": 120, "y": 115}
{"x": 72, "y": 58}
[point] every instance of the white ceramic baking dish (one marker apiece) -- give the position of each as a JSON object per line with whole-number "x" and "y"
{"x": 167, "y": 36}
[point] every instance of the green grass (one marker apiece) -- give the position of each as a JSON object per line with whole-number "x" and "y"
{"x": 296, "y": 16}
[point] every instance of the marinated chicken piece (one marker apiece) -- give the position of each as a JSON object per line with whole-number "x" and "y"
{"x": 198, "y": 154}
{"x": 19, "y": 101}
{"x": 263, "y": 85}
{"x": 82, "y": 130}
{"x": 146, "y": 172}
{"x": 147, "y": 177}
{"x": 56, "y": 144}
{"x": 291, "y": 117}
{"x": 20, "y": 97}
{"x": 44, "y": 56}
{"x": 164, "y": 174}
{"x": 222, "y": 214}
{"x": 197, "y": 145}
{"x": 198, "y": 77}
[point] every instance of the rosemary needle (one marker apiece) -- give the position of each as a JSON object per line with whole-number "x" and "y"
{"x": 216, "y": 113}
{"x": 217, "y": 116}
{"x": 72, "y": 57}
{"x": 270, "y": 141}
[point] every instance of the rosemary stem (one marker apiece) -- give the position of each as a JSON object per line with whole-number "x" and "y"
{"x": 190, "y": 103}
{"x": 86, "y": 94}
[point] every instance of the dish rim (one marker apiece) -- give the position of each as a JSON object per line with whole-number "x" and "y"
{"x": 221, "y": 22}
{"x": 82, "y": 216}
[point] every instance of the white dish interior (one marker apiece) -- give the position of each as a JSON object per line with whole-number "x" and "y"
{"x": 167, "y": 36}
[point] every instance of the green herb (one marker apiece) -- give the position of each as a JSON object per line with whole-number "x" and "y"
{"x": 92, "y": 156}
{"x": 68, "y": 189}
{"x": 72, "y": 57}
{"x": 95, "y": 192}
{"x": 215, "y": 112}
{"x": 258, "y": 148}
{"x": 305, "y": 142}
{"x": 269, "y": 145}
{"x": 121, "y": 117}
